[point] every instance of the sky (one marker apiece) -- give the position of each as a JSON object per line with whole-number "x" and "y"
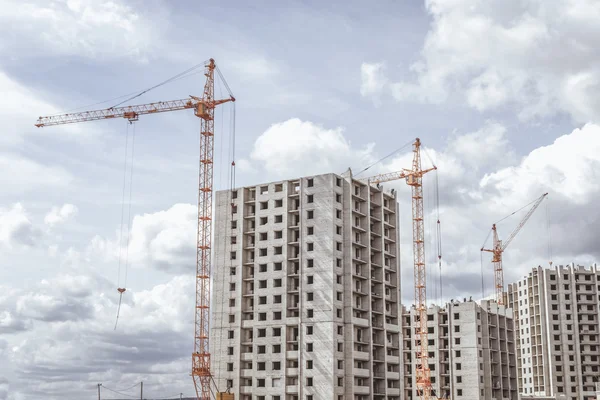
{"x": 504, "y": 94}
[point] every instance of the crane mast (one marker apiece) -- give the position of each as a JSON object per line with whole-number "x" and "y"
{"x": 415, "y": 181}
{"x": 204, "y": 109}
{"x": 499, "y": 246}
{"x": 201, "y": 356}
{"x": 414, "y": 177}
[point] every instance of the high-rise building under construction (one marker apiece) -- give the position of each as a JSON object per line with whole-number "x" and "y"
{"x": 558, "y": 332}
{"x": 307, "y": 286}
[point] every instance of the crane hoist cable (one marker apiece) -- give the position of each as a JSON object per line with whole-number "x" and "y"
{"x": 232, "y": 128}
{"x": 482, "y": 273}
{"x": 129, "y": 218}
{"x": 429, "y": 210}
{"x": 438, "y": 228}
{"x": 221, "y": 137}
{"x": 439, "y": 232}
{"x": 123, "y": 203}
{"x": 120, "y": 289}
{"x": 228, "y": 218}
{"x": 123, "y": 289}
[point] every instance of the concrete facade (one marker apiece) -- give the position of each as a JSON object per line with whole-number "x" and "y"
{"x": 558, "y": 331}
{"x": 306, "y": 291}
{"x": 472, "y": 351}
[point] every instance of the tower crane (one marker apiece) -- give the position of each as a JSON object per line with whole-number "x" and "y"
{"x": 204, "y": 109}
{"x": 414, "y": 178}
{"x": 499, "y": 247}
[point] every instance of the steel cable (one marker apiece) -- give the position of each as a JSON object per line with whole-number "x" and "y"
{"x": 173, "y": 78}
{"x": 117, "y": 392}
{"x": 129, "y": 219}
{"x": 384, "y": 158}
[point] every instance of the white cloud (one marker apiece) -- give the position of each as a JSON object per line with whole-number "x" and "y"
{"x": 245, "y": 166}
{"x": 165, "y": 240}
{"x": 570, "y": 167}
{"x": 171, "y": 301}
{"x": 487, "y": 91}
{"x": 20, "y": 106}
{"x": 16, "y": 105}
{"x": 155, "y": 328}
{"x": 63, "y": 298}
{"x": 59, "y": 215}
{"x": 537, "y": 56}
{"x": 22, "y": 175}
{"x": 253, "y": 67}
{"x": 296, "y": 147}
{"x": 90, "y": 28}
{"x": 9, "y": 323}
{"x": 4, "y": 387}
{"x": 53, "y": 250}
{"x": 16, "y": 227}
{"x": 45, "y": 307}
{"x": 580, "y": 95}
{"x": 373, "y": 80}
{"x": 487, "y": 146}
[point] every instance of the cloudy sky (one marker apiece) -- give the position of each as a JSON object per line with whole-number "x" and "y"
{"x": 504, "y": 94}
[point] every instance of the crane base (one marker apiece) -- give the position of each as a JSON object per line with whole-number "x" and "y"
{"x": 225, "y": 396}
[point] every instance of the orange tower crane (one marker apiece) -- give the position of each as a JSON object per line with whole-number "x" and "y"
{"x": 204, "y": 109}
{"x": 499, "y": 247}
{"x": 414, "y": 178}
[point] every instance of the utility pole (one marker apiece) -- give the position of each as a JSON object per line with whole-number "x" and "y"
{"x": 142, "y": 390}
{"x": 99, "y": 390}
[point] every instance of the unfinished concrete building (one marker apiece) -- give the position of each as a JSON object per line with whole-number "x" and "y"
{"x": 306, "y": 287}
{"x": 472, "y": 351}
{"x": 558, "y": 332}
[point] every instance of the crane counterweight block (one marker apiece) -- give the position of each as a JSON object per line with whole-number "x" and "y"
{"x": 132, "y": 115}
